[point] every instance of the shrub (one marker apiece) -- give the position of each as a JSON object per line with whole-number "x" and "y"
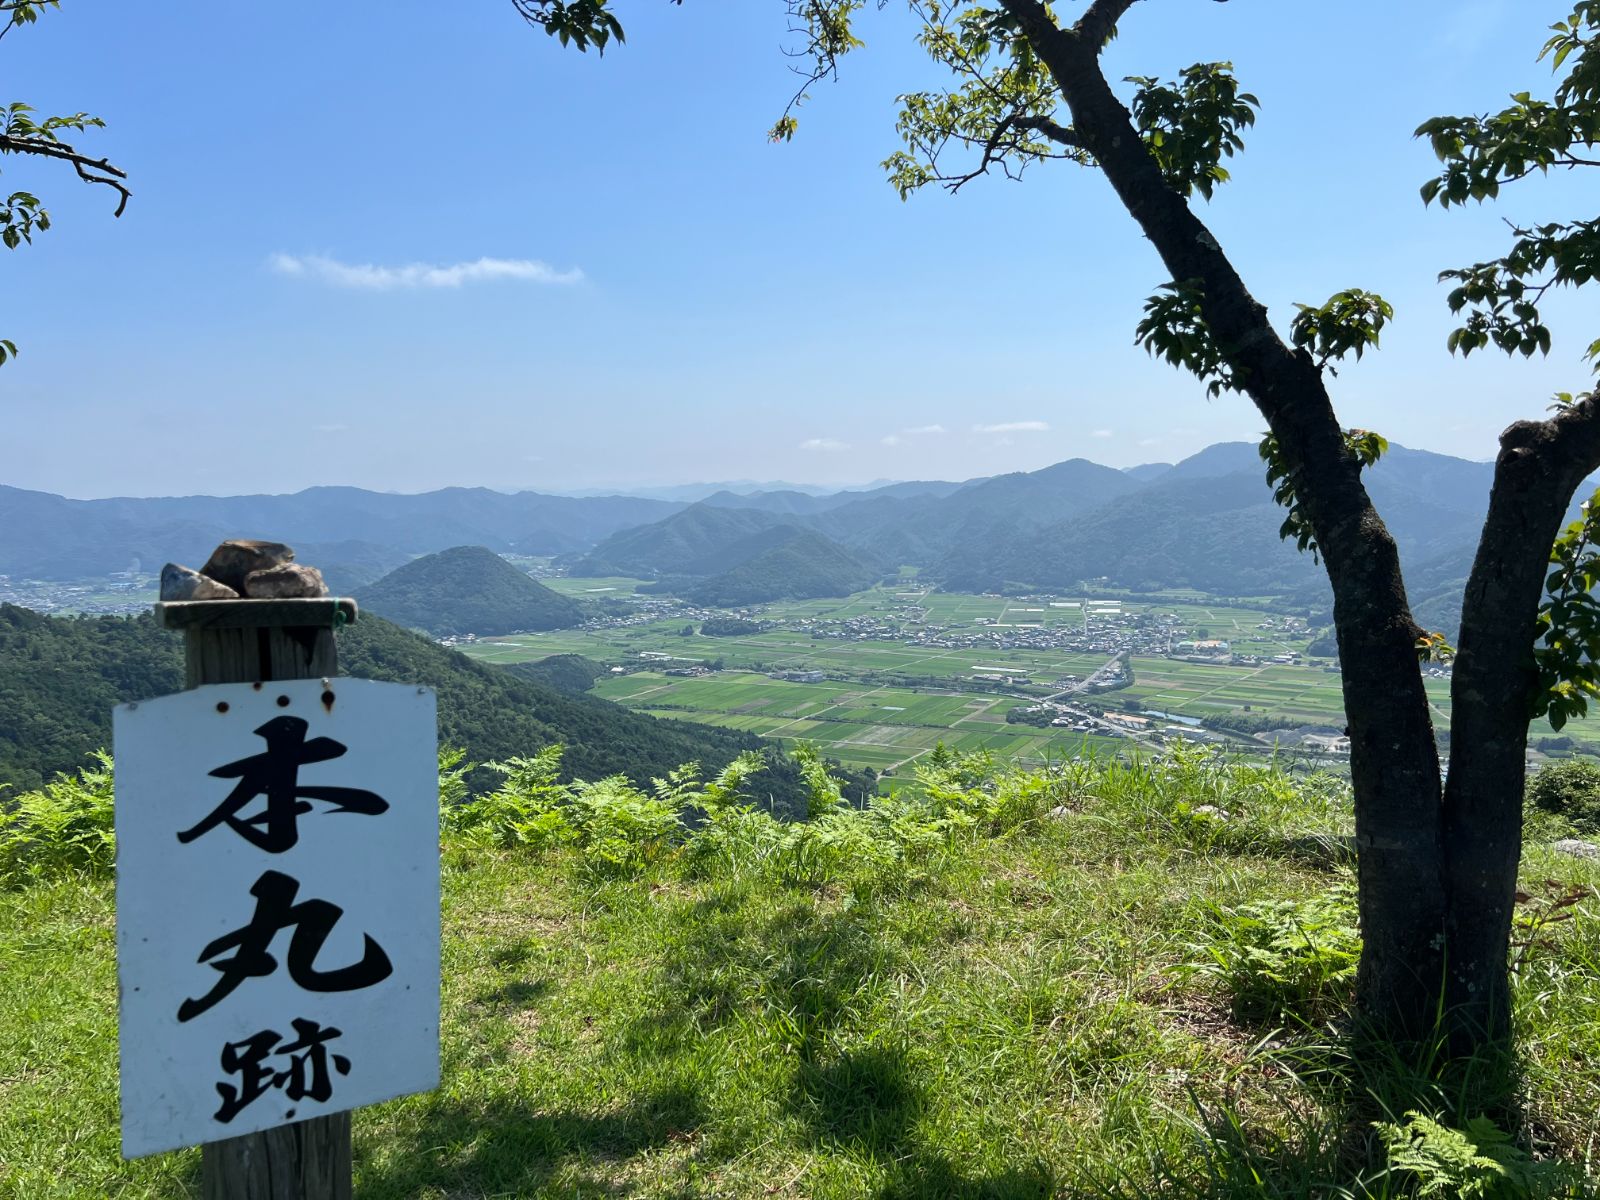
{"x": 1569, "y": 790}
{"x": 65, "y": 827}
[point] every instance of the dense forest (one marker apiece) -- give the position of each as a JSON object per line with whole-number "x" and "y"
{"x": 570, "y": 673}
{"x": 60, "y": 678}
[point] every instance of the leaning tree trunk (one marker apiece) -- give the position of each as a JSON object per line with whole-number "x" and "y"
{"x": 1539, "y": 467}
{"x": 1394, "y": 761}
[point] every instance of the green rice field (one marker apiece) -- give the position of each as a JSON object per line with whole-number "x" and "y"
{"x": 884, "y": 702}
{"x": 879, "y": 727}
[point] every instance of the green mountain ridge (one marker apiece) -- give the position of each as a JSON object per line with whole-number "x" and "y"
{"x": 795, "y": 564}
{"x": 60, "y": 677}
{"x": 675, "y": 544}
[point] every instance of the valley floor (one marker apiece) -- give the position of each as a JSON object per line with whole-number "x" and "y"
{"x": 879, "y": 678}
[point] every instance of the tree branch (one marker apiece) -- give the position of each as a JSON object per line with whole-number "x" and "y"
{"x": 1574, "y": 446}
{"x": 1055, "y": 132}
{"x": 1037, "y": 23}
{"x": 1100, "y": 21}
{"x": 1496, "y": 679}
{"x": 90, "y": 170}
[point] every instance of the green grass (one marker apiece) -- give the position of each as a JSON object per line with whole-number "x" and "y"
{"x": 1003, "y": 1014}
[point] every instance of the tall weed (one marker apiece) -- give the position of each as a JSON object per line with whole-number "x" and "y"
{"x": 66, "y": 827}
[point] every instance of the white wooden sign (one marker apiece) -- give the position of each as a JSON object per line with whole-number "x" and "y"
{"x": 277, "y": 905}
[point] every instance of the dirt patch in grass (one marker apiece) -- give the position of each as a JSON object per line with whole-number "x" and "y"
{"x": 527, "y": 1023}
{"x": 1204, "y": 1017}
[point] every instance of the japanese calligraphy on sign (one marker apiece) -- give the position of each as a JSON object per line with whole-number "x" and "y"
{"x": 277, "y": 905}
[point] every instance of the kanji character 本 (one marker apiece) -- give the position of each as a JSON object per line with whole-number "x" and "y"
{"x": 275, "y": 774}
{"x": 306, "y": 1077}
{"x": 312, "y": 922}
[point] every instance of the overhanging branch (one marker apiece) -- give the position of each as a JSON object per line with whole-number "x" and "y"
{"x": 90, "y": 170}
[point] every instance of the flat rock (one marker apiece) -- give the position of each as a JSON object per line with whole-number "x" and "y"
{"x": 287, "y": 581}
{"x": 238, "y": 557}
{"x": 181, "y": 583}
{"x": 1576, "y": 848}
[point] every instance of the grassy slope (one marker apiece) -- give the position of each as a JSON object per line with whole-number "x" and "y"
{"x": 1004, "y": 1023}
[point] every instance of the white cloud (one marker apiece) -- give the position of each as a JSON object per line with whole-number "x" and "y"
{"x": 830, "y": 445}
{"x": 1013, "y": 427}
{"x": 891, "y": 440}
{"x": 928, "y": 429}
{"x": 369, "y": 277}
{"x": 1103, "y": 433}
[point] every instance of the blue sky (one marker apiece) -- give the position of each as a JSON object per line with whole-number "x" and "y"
{"x": 377, "y": 245}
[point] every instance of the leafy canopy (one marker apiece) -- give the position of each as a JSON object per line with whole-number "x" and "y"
{"x": 1479, "y": 154}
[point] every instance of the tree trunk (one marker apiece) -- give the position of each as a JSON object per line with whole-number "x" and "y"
{"x": 1394, "y": 761}
{"x": 1539, "y": 467}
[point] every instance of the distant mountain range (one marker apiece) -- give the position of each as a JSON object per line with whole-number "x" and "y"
{"x": 353, "y": 535}
{"x": 1207, "y": 522}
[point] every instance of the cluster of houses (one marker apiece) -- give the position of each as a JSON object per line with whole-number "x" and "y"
{"x": 120, "y": 593}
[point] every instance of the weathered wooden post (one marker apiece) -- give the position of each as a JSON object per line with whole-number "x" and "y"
{"x": 272, "y": 1047}
{"x": 251, "y": 641}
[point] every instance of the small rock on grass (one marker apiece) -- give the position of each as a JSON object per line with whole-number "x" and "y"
{"x": 181, "y": 583}
{"x": 288, "y": 581}
{"x": 1575, "y": 848}
{"x": 237, "y": 558}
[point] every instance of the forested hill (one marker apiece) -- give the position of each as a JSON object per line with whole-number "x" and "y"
{"x": 468, "y": 589}
{"x": 60, "y": 677}
{"x": 786, "y": 564}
